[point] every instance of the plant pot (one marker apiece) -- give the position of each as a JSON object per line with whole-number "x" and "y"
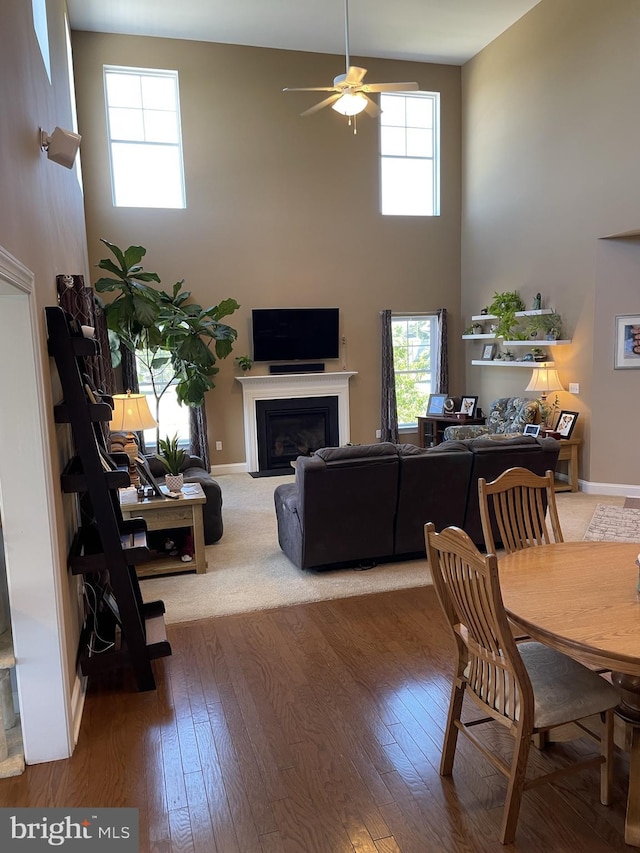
{"x": 174, "y": 482}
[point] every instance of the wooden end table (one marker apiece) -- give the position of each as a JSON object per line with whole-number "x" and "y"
{"x": 167, "y": 513}
{"x": 431, "y": 427}
{"x": 569, "y": 454}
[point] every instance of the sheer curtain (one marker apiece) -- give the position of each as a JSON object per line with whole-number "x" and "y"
{"x": 388, "y": 410}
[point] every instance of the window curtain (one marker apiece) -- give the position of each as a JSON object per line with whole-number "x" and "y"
{"x": 388, "y": 410}
{"x": 442, "y": 371}
{"x": 198, "y": 434}
{"x": 79, "y": 301}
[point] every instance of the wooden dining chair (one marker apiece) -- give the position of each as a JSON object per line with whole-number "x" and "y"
{"x": 526, "y": 687}
{"x": 520, "y": 502}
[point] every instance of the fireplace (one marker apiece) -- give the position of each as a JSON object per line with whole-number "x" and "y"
{"x": 293, "y": 388}
{"x": 289, "y": 428}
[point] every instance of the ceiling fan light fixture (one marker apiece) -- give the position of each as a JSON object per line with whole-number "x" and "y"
{"x": 350, "y": 104}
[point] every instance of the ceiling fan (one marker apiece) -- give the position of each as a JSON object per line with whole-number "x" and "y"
{"x": 350, "y": 94}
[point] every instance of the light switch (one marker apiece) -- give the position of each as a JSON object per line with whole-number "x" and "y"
{"x": 574, "y": 387}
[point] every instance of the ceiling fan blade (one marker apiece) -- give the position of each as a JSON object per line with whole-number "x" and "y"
{"x": 354, "y": 75}
{"x": 390, "y": 87}
{"x": 325, "y": 103}
{"x": 310, "y": 89}
{"x": 372, "y": 109}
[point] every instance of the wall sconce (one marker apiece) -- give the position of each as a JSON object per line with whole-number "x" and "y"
{"x": 61, "y": 147}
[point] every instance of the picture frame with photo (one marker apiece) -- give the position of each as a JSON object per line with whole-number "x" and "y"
{"x": 627, "y": 342}
{"x": 468, "y": 406}
{"x": 531, "y": 429}
{"x": 435, "y": 404}
{"x": 488, "y": 352}
{"x": 566, "y": 423}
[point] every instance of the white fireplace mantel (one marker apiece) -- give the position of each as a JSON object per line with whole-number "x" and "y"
{"x": 291, "y": 386}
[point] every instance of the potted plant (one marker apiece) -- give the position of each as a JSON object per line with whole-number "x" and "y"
{"x": 173, "y": 458}
{"x": 504, "y": 306}
{"x": 173, "y": 339}
{"x": 547, "y": 326}
{"x": 244, "y": 363}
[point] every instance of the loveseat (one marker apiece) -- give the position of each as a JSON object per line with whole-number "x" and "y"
{"x": 366, "y": 504}
{"x": 507, "y": 416}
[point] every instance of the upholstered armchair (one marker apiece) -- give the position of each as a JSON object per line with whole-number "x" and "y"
{"x": 507, "y": 415}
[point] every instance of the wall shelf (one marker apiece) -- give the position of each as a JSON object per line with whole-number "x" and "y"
{"x": 534, "y": 312}
{"x": 501, "y": 362}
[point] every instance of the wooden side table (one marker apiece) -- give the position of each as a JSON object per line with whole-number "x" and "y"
{"x": 569, "y": 454}
{"x": 167, "y": 513}
{"x": 432, "y": 427}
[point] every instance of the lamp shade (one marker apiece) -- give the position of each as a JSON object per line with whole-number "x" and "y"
{"x": 350, "y": 104}
{"x": 131, "y": 413}
{"x": 543, "y": 380}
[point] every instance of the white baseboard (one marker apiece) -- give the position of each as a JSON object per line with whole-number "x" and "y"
{"x": 233, "y": 468}
{"x": 612, "y": 489}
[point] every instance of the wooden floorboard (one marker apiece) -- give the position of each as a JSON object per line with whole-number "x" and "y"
{"x": 311, "y": 729}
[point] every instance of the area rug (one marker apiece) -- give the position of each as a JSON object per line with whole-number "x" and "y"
{"x": 248, "y": 571}
{"x": 614, "y": 524}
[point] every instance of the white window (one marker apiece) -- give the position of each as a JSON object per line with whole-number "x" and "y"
{"x": 173, "y": 418}
{"x": 415, "y": 358}
{"x": 145, "y": 140}
{"x": 409, "y": 154}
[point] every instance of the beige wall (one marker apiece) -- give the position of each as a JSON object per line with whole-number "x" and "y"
{"x": 42, "y": 226}
{"x": 550, "y": 165}
{"x": 281, "y": 210}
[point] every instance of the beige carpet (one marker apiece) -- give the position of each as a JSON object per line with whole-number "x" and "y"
{"x": 248, "y": 571}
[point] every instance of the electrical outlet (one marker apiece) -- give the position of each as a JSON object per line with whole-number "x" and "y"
{"x": 218, "y": 445}
{"x": 574, "y": 387}
{"x": 378, "y": 433}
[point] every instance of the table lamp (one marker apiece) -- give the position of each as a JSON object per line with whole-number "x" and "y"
{"x": 543, "y": 380}
{"x": 131, "y": 414}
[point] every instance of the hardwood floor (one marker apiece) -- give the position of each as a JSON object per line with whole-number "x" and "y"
{"x": 310, "y": 729}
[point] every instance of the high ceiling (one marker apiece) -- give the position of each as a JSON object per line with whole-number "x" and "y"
{"x": 445, "y": 31}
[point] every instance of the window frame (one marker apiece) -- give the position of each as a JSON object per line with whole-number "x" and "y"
{"x": 410, "y": 426}
{"x": 434, "y": 159}
{"x": 111, "y": 140}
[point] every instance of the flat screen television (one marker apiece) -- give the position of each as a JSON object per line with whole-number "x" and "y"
{"x": 295, "y": 334}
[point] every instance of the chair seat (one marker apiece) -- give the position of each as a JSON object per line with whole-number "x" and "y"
{"x": 563, "y": 689}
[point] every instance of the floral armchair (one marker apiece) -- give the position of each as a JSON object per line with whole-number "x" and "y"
{"x": 506, "y": 415}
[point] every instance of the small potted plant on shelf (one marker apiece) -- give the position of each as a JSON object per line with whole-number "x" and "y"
{"x": 545, "y": 326}
{"x": 504, "y": 306}
{"x": 244, "y": 363}
{"x": 173, "y": 458}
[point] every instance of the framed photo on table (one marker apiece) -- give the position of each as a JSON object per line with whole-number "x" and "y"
{"x": 627, "y": 336}
{"x": 468, "y": 406}
{"x": 566, "y": 423}
{"x": 435, "y": 406}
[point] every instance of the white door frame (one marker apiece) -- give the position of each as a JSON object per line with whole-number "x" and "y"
{"x": 34, "y": 573}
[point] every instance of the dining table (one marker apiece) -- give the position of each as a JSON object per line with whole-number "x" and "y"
{"x": 582, "y": 599}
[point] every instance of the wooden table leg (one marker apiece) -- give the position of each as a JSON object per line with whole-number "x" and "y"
{"x": 198, "y": 540}
{"x": 629, "y": 710}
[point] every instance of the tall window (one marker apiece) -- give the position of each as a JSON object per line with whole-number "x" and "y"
{"x": 415, "y": 360}
{"x": 409, "y": 154}
{"x": 145, "y": 140}
{"x": 174, "y": 418}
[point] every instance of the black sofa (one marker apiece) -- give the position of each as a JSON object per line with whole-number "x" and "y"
{"x": 369, "y": 503}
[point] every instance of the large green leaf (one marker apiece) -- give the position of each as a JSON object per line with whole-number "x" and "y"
{"x": 132, "y": 256}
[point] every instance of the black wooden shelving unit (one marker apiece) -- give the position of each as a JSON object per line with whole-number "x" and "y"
{"x": 121, "y": 630}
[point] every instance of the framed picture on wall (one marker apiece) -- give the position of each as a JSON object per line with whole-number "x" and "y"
{"x": 627, "y": 337}
{"x": 566, "y": 423}
{"x": 435, "y": 406}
